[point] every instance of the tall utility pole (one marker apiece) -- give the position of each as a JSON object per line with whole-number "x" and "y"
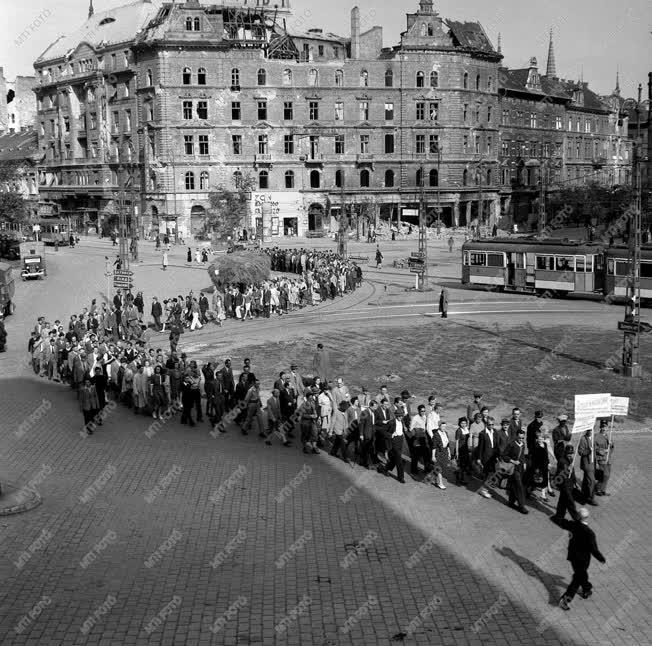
{"x": 422, "y": 277}
{"x": 343, "y": 232}
{"x": 122, "y": 219}
{"x": 631, "y": 326}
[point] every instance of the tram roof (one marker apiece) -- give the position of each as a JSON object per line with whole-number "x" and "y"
{"x": 532, "y": 245}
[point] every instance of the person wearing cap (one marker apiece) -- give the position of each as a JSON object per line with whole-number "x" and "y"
{"x": 565, "y": 481}
{"x": 581, "y": 547}
{"x": 515, "y": 424}
{"x": 532, "y": 428}
{"x": 587, "y": 466}
{"x": 308, "y": 422}
{"x": 538, "y": 466}
{"x": 502, "y": 435}
{"x": 561, "y": 436}
{"x": 603, "y": 450}
{"x": 474, "y": 407}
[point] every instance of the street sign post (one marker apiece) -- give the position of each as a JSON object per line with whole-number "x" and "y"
{"x": 123, "y": 279}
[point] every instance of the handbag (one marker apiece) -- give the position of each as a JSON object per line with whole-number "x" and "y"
{"x": 505, "y": 468}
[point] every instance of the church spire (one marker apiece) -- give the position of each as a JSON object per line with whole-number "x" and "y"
{"x": 500, "y": 44}
{"x": 617, "y": 90}
{"x": 91, "y": 11}
{"x": 551, "y": 67}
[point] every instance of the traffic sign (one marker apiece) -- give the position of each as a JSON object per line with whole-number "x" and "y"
{"x": 123, "y": 272}
{"x": 417, "y": 267}
{"x": 123, "y": 281}
{"x": 417, "y": 254}
{"x": 630, "y": 326}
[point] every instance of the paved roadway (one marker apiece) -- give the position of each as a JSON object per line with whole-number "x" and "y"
{"x": 228, "y": 541}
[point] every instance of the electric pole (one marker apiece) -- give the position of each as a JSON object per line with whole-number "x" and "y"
{"x": 422, "y": 276}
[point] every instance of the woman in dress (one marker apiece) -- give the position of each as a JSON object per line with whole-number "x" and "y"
{"x": 140, "y": 390}
{"x": 220, "y": 314}
{"x": 189, "y": 255}
{"x": 462, "y": 450}
{"x": 158, "y": 392}
{"x": 441, "y": 454}
{"x": 175, "y": 375}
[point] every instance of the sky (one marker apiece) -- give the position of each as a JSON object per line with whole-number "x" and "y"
{"x": 593, "y": 38}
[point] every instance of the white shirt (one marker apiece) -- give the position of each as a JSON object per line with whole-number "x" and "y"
{"x": 444, "y": 437}
{"x": 432, "y": 422}
{"x": 398, "y": 431}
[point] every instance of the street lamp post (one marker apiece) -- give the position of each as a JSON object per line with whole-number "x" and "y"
{"x": 422, "y": 276}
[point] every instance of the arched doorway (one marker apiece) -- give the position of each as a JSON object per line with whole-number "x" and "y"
{"x": 197, "y": 220}
{"x": 315, "y": 217}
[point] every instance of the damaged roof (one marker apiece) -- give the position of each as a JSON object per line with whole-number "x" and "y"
{"x": 471, "y": 35}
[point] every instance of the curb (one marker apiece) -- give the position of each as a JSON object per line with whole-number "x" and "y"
{"x": 31, "y": 501}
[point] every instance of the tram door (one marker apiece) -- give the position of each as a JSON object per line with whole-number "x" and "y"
{"x": 516, "y": 271}
{"x": 511, "y": 269}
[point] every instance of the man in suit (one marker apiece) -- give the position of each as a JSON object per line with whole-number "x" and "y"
{"x": 297, "y": 381}
{"x": 515, "y": 454}
{"x": 157, "y": 313}
{"x": 565, "y": 480}
{"x": 561, "y": 436}
{"x": 367, "y": 430}
{"x": 532, "y": 428}
{"x": 587, "y": 465}
{"x": 352, "y": 434}
{"x": 267, "y": 301}
{"x": 229, "y": 383}
{"x": 203, "y": 307}
{"x": 603, "y": 450}
{"x": 503, "y": 436}
{"x": 581, "y": 547}
{"x": 394, "y": 440}
{"x": 487, "y": 453}
{"x": 382, "y": 427}
{"x": 515, "y": 424}
{"x": 274, "y": 418}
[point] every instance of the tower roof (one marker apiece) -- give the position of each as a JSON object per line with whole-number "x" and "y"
{"x": 551, "y": 67}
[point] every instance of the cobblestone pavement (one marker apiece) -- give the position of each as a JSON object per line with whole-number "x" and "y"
{"x": 186, "y": 538}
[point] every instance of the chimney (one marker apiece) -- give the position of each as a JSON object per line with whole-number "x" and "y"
{"x": 355, "y": 33}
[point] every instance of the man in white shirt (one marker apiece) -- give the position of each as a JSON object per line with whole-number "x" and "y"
{"x": 340, "y": 393}
{"x": 418, "y": 442}
{"x": 432, "y": 420}
{"x": 395, "y": 433}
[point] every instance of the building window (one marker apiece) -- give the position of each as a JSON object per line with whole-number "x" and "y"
{"x": 261, "y": 77}
{"x": 190, "y": 181}
{"x": 489, "y": 177}
{"x": 434, "y": 110}
{"x": 320, "y": 50}
{"x": 433, "y": 177}
{"x": 476, "y": 144}
{"x": 149, "y": 111}
{"x": 93, "y": 117}
{"x": 465, "y": 177}
{"x": 389, "y": 111}
{"x": 533, "y": 120}
{"x": 339, "y": 78}
{"x": 237, "y": 178}
{"x": 186, "y": 76}
{"x": 262, "y": 110}
{"x": 287, "y": 77}
{"x": 505, "y": 149}
{"x": 197, "y": 24}
{"x": 389, "y": 78}
{"x": 364, "y": 78}
{"x": 263, "y": 179}
{"x": 389, "y": 143}
{"x": 419, "y": 177}
{"x": 202, "y": 109}
{"x": 339, "y": 144}
{"x": 188, "y": 144}
{"x": 465, "y": 81}
{"x": 364, "y": 144}
{"x": 188, "y": 24}
{"x": 477, "y": 82}
{"x": 235, "y": 111}
{"x": 66, "y": 123}
{"x": 505, "y": 117}
{"x": 313, "y": 77}
{"x": 263, "y": 145}
{"x": 313, "y": 110}
{"x": 339, "y": 110}
{"x": 127, "y": 121}
{"x": 389, "y": 178}
{"x": 187, "y": 110}
{"x": 235, "y": 80}
{"x": 421, "y": 79}
{"x": 203, "y": 144}
{"x": 489, "y": 144}
{"x": 465, "y": 113}
{"x": 420, "y": 111}
{"x": 315, "y": 179}
{"x": 288, "y": 144}
{"x": 289, "y": 179}
{"x": 336, "y": 52}
{"x": 288, "y": 112}
{"x": 433, "y": 144}
{"x": 127, "y": 90}
{"x": 203, "y": 180}
{"x": 314, "y": 146}
{"x": 236, "y": 144}
{"x": 490, "y": 84}
{"x": 488, "y": 114}
{"x": 434, "y": 79}
{"x": 115, "y": 122}
{"x": 364, "y": 178}
{"x": 339, "y": 178}
{"x": 364, "y": 110}
{"x": 420, "y": 141}
{"x": 148, "y": 77}
{"x": 201, "y": 76}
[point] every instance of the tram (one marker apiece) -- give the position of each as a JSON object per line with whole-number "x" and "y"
{"x": 53, "y": 230}
{"x": 617, "y": 265}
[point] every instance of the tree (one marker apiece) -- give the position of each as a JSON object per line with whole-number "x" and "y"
{"x": 229, "y": 208}
{"x": 12, "y": 207}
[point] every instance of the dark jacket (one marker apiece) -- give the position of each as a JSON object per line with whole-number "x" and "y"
{"x": 583, "y": 544}
{"x": 366, "y": 425}
{"x": 485, "y": 452}
{"x": 157, "y": 309}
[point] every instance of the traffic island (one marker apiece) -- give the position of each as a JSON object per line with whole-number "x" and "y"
{"x": 15, "y": 500}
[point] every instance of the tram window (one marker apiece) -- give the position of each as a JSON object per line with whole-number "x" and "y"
{"x": 495, "y": 260}
{"x": 622, "y": 268}
{"x": 546, "y": 262}
{"x": 564, "y": 263}
{"x": 646, "y": 270}
{"x": 580, "y": 263}
{"x": 478, "y": 259}
{"x": 519, "y": 260}
{"x": 599, "y": 262}
{"x": 610, "y": 266}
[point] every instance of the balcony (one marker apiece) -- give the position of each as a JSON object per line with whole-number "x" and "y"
{"x": 314, "y": 159}
{"x": 263, "y": 159}
{"x": 365, "y": 158}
